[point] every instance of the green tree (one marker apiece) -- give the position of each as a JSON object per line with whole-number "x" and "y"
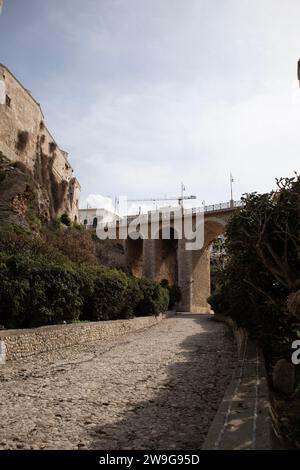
{"x": 260, "y": 280}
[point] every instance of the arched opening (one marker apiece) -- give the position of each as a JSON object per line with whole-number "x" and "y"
{"x": 201, "y": 266}
{"x": 166, "y": 262}
{"x": 134, "y": 256}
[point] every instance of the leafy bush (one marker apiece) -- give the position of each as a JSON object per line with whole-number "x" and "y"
{"x": 65, "y": 220}
{"x": 259, "y": 281}
{"x": 74, "y": 244}
{"x": 53, "y": 242}
{"x": 104, "y": 292}
{"x": 52, "y": 276}
{"x": 34, "y": 292}
{"x": 110, "y": 294}
{"x": 175, "y": 294}
{"x": 134, "y": 295}
{"x": 155, "y": 298}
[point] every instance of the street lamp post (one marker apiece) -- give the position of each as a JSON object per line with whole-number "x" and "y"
{"x": 231, "y": 190}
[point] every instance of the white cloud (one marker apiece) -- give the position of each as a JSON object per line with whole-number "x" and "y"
{"x": 97, "y": 201}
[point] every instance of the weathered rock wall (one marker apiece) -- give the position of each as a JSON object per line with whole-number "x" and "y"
{"x": 18, "y": 193}
{"x": 25, "y": 138}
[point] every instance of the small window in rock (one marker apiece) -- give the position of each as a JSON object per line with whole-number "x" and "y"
{"x": 8, "y": 101}
{"x": 22, "y": 140}
{"x": 52, "y": 147}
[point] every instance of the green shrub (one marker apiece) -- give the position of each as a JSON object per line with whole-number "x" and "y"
{"x": 65, "y": 220}
{"x": 134, "y": 295}
{"x": 15, "y": 240}
{"x": 34, "y": 292}
{"x": 19, "y": 166}
{"x": 155, "y": 298}
{"x": 260, "y": 275}
{"x": 164, "y": 283}
{"x": 54, "y": 242}
{"x": 74, "y": 245}
{"x": 52, "y": 277}
{"x": 175, "y": 294}
{"x": 104, "y": 292}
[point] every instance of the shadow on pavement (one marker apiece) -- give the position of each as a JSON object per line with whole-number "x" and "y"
{"x": 179, "y": 414}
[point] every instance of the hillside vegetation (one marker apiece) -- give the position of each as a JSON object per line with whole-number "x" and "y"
{"x": 50, "y": 271}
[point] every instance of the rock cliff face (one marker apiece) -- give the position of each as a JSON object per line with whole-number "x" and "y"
{"x": 54, "y": 195}
{"x": 17, "y": 192}
{"x": 26, "y": 141}
{"x": 25, "y": 196}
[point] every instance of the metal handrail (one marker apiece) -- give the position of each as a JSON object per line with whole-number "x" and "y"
{"x": 220, "y": 206}
{"x": 211, "y": 208}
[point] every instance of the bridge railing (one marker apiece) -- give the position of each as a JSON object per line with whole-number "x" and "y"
{"x": 220, "y": 206}
{"x": 211, "y": 208}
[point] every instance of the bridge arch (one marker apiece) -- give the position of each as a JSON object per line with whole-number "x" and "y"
{"x": 166, "y": 255}
{"x": 200, "y": 276}
{"x": 135, "y": 256}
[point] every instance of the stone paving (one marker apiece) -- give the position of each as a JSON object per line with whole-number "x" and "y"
{"x": 155, "y": 389}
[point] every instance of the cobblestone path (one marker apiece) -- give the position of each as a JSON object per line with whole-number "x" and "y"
{"x": 155, "y": 389}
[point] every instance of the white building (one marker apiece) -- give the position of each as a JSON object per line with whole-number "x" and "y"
{"x": 91, "y": 218}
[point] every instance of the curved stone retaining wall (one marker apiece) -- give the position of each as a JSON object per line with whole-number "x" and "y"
{"x": 242, "y": 421}
{"x": 23, "y": 343}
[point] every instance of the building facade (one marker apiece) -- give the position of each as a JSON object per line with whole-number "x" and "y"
{"x": 24, "y": 137}
{"x": 91, "y": 218}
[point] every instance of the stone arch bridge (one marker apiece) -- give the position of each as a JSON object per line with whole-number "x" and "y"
{"x": 160, "y": 258}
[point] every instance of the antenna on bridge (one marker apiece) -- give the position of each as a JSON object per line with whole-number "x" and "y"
{"x": 231, "y": 189}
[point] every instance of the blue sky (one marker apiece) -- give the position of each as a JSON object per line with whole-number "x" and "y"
{"x": 145, "y": 94}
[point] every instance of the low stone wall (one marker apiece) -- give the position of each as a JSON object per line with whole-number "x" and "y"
{"x": 240, "y": 334}
{"x": 23, "y": 343}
